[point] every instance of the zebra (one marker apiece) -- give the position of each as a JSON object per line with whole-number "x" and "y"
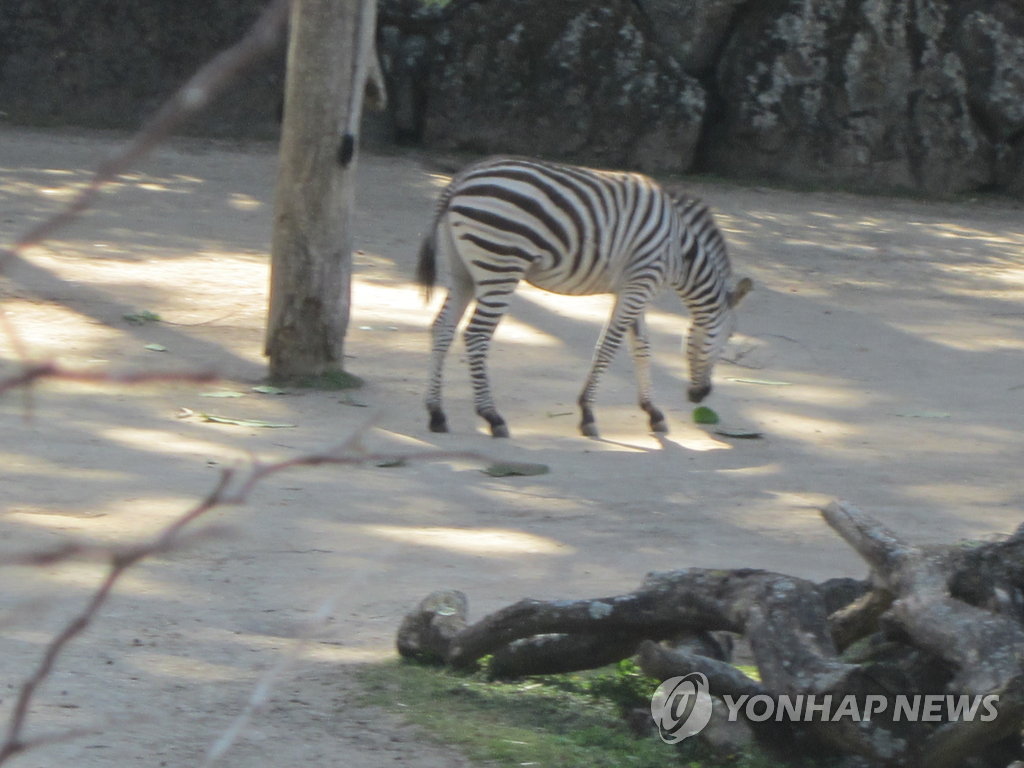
{"x": 575, "y": 231}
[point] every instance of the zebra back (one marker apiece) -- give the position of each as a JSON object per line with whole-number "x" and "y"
{"x": 579, "y": 230}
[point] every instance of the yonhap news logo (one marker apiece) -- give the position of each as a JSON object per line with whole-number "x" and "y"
{"x": 681, "y": 707}
{"x": 811, "y": 708}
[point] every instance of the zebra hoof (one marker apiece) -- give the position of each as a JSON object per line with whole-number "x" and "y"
{"x": 496, "y": 423}
{"x": 698, "y": 393}
{"x": 438, "y": 423}
{"x": 589, "y": 429}
{"x": 655, "y": 418}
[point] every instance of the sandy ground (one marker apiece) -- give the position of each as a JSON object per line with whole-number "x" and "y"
{"x": 889, "y": 331}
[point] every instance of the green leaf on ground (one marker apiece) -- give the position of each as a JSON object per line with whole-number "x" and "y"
{"x": 156, "y": 347}
{"x": 704, "y": 415}
{"x": 266, "y": 389}
{"x": 141, "y": 318}
{"x": 515, "y": 469}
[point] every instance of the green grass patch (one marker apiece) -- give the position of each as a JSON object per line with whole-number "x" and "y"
{"x": 568, "y": 721}
{"x": 329, "y": 380}
{"x": 750, "y": 671}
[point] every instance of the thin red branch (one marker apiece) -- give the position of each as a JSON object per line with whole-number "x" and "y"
{"x": 121, "y": 559}
{"x": 205, "y": 85}
{"x": 53, "y": 370}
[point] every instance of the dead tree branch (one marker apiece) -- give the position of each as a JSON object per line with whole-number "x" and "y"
{"x": 203, "y": 87}
{"x": 985, "y": 648}
{"x": 229, "y": 490}
{"x": 936, "y": 622}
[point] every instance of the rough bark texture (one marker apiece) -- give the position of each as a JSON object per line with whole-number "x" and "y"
{"x": 426, "y": 633}
{"x": 930, "y": 622}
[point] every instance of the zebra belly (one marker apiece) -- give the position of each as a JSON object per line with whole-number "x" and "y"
{"x": 557, "y": 281}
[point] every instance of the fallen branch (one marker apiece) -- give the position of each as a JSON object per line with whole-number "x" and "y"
{"x": 53, "y": 370}
{"x": 724, "y": 679}
{"x": 928, "y": 622}
{"x": 985, "y": 648}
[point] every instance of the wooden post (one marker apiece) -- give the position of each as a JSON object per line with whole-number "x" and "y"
{"x": 329, "y": 51}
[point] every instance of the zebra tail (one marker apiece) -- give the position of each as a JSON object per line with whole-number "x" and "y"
{"x": 426, "y": 267}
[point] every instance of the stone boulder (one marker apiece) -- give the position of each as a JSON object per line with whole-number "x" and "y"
{"x": 850, "y": 93}
{"x": 989, "y": 39}
{"x": 693, "y": 32}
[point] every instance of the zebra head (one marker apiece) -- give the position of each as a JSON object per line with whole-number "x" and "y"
{"x": 708, "y": 336}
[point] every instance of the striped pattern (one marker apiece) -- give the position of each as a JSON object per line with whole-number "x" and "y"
{"x": 575, "y": 231}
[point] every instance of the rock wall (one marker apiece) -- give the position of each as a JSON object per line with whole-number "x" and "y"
{"x": 858, "y": 92}
{"x": 921, "y": 95}
{"x": 111, "y": 63}
{"x": 573, "y": 79}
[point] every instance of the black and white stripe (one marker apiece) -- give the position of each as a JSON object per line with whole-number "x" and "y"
{"x": 575, "y": 231}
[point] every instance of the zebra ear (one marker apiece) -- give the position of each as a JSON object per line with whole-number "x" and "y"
{"x": 743, "y": 287}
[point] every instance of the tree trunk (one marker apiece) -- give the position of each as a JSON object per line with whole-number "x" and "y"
{"x": 329, "y": 52}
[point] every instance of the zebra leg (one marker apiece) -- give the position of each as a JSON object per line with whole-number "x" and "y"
{"x": 641, "y": 349}
{"x": 624, "y": 315}
{"x": 482, "y": 323}
{"x": 443, "y": 331}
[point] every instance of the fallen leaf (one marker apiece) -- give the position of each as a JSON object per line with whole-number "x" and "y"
{"x": 515, "y": 469}
{"x": 245, "y": 422}
{"x": 740, "y": 433}
{"x": 141, "y": 318}
{"x": 266, "y": 389}
{"x": 762, "y": 382}
{"x": 222, "y": 393}
{"x": 347, "y": 399}
{"x": 156, "y": 347}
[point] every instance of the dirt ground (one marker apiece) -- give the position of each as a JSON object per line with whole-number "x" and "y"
{"x": 880, "y": 355}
